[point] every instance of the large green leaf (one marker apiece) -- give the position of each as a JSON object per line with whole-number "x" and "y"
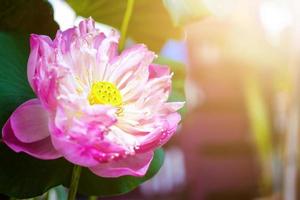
{"x": 150, "y": 22}
{"x": 23, "y": 176}
{"x": 14, "y": 87}
{"x": 27, "y": 16}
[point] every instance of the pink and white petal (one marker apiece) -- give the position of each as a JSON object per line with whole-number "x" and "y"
{"x": 136, "y": 165}
{"x": 106, "y": 43}
{"x": 42, "y": 149}
{"x": 133, "y": 127}
{"x": 172, "y": 121}
{"x": 155, "y": 92}
{"x": 170, "y": 107}
{"x": 106, "y": 51}
{"x": 63, "y": 39}
{"x": 29, "y": 122}
{"x": 86, "y": 31}
{"x": 78, "y": 111}
{"x": 156, "y": 71}
{"x": 130, "y": 60}
{"x": 78, "y": 132}
{"x": 142, "y": 121}
{"x": 73, "y": 152}
{"x": 32, "y": 61}
{"x": 87, "y": 26}
{"x": 161, "y": 135}
{"x": 40, "y": 46}
{"x": 82, "y": 152}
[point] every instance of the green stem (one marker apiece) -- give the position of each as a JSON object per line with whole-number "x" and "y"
{"x": 93, "y": 198}
{"x": 47, "y": 195}
{"x": 74, "y": 182}
{"x": 126, "y": 19}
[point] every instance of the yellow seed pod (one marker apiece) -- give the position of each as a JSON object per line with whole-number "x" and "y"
{"x": 105, "y": 93}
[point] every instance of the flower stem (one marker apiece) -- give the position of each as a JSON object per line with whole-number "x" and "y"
{"x": 126, "y": 19}
{"x": 93, "y": 198}
{"x": 47, "y": 195}
{"x": 74, "y": 182}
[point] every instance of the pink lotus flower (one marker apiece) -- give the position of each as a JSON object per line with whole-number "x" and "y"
{"x": 95, "y": 107}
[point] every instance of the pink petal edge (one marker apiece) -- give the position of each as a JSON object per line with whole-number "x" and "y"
{"x": 42, "y": 149}
{"x": 39, "y": 45}
{"x": 156, "y": 71}
{"x": 136, "y": 165}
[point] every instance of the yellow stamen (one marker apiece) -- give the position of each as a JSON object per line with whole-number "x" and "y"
{"x": 105, "y": 93}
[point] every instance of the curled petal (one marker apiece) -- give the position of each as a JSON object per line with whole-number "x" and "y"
{"x": 42, "y": 149}
{"x": 172, "y": 107}
{"x": 160, "y": 136}
{"x": 136, "y": 165}
{"x": 40, "y": 46}
{"x": 29, "y": 122}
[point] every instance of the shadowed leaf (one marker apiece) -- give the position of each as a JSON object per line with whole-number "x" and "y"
{"x": 150, "y": 22}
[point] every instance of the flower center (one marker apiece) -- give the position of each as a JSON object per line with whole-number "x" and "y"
{"x": 105, "y": 93}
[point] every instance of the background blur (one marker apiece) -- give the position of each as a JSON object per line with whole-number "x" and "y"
{"x": 239, "y": 137}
